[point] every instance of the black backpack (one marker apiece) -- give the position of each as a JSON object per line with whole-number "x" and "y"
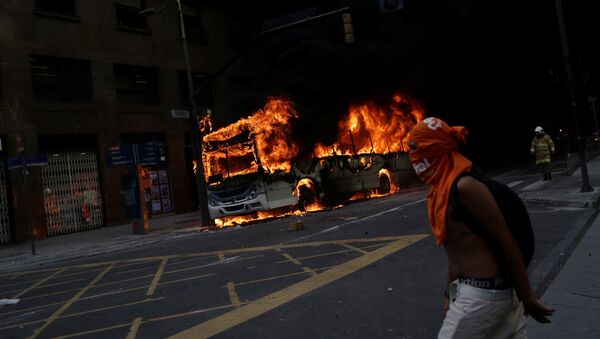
{"x": 512, "y": 208}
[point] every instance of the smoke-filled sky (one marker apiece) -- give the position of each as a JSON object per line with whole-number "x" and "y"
{"x": 491, "y": 66}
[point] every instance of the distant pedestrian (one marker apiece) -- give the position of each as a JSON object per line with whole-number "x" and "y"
{"x": 542, "y": 147}
{"x": 485, "y": 263}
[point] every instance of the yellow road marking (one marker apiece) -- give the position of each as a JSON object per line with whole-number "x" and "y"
{"x": 178, "y": 315}
{"x": 114, "y": 327}
{"x": 32, "y": 308}
{"x": 157, "y": 276}
{"x": 98, "y": 285}
{"x": 193, "y": 259}
{"x": 330, "y": 253}
{"x": 133, "y": 330}
{"x": 15, "y": 276}
{"x": 281, "y": 276}
{"x": 54, "y": 284}
{"x": 147, "y": 300}
{"x": 69, "y": 303}
{"x": 290, "y": 258}
{"x": 134, "y": 270}
{"x": 309, "y": 270}
{"x": 38, "y": 283}
{"x": 112, "y": 283}
{"x": 50, "y": 294}
{"x": 233, "y": 296}
{"x": 144, "y": 287}
{"x": 82, "y": 313}
{"x": 230, "y": 319}
{"x": 211, "y": 264}
{"x": 202, "y": 310}
{"x": 21, "y": 325}
{"x": 132, "y": 262}
{"x": 295, "y": 261}
{"x": 353, "y": 248}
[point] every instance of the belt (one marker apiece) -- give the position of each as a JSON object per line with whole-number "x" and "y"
{"x": 496, "y": 283}
{"x": 483, "y": 294}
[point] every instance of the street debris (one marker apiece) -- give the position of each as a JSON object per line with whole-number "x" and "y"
{"x": 8, "y": 301}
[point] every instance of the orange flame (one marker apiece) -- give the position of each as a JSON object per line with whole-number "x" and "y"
{"x": 308, "y": 186}
{"x": 245, "y": 219}
{"x": 370, "y": 128}
{"x": 266, "y": 143}
{"x": 271, "y": 131}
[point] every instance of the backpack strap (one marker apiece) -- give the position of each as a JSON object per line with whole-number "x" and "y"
{"x": 459, "y": 211}
{"x": 455, "y": 199}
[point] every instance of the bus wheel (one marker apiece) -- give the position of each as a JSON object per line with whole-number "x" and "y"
{"x": 305, "y": 198}
{"x": 384, "y": 185}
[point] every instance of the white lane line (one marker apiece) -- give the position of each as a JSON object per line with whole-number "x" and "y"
{"x": 333, "y": 228}
{"x": 514, "y": 183}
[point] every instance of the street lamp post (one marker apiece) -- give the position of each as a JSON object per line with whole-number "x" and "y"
{"x": 196, "y": 131}
{"x": 592, "y": 99}
{"x": 585, "y": 185}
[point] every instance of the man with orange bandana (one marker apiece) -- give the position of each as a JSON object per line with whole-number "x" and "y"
{"x": 484, "y": 270}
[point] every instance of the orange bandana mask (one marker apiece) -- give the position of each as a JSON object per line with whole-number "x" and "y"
{"x": 437, "y": 162}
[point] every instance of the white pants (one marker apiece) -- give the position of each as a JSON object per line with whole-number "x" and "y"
{"x": 486, "y": 314}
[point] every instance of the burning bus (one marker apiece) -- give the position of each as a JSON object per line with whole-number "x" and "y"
{"x": 253, "y": 165}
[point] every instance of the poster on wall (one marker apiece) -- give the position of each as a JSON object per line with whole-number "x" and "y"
{"x": 154, "y": 177}
{"x": 161, "y": 193}
{"x": 163, "y": 176}
{"x": 155, "y": 193}
{"x": 156, "y": 206}
{"x": 166, "y": 205}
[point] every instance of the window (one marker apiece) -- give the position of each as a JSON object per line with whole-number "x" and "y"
{"x": 62, "y": 7}
{"x": 194, "y": 31}
{"x": 127, "y": 14}
{"x": 137, "y": 84}
{"x": 60, "y": 79}
{"x": 203, "y": 99}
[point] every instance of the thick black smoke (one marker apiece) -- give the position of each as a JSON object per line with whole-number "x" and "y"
{"x": 491, "y": 67}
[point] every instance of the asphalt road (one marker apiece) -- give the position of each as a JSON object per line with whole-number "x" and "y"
{"x": 367, "y": 269}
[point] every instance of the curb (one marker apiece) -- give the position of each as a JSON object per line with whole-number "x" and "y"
{"x": 561, "y": 203}
{"x": 27, "y": 261}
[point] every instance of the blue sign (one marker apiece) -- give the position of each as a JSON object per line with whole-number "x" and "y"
{"x": 120, "y": 155}
{"x": 145, "y": 154}
{"x": 148, "y": 154}
{"x": 32, "y": 160}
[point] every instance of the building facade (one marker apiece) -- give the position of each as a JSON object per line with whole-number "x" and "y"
{"x": 79, "y": 78}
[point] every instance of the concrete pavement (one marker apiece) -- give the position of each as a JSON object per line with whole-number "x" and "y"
{"x": 95, "y": 242}
{"x": 572, "y": 271}
{"x": 568, "y": 279}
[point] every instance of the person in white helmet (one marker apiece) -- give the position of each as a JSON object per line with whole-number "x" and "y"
{"x": 542, "y": 147}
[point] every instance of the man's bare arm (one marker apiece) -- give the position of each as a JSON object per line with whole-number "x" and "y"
{"x": 479, "y": 201}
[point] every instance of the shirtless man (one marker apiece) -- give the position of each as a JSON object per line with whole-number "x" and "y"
{"x": 480, "y": 301}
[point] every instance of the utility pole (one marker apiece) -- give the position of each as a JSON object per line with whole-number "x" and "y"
{"x": 592, "y": 100}
{"x": 196, "y": 131}
{"x": 585, "y": 185}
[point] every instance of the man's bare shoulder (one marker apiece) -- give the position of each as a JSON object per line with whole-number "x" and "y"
{"x": 470, "y": 188}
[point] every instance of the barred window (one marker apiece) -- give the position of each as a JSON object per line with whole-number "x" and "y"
{"x": 127, "y": 13}
{"x": 204, "y": 98}
{"x": 137, "y": 84}
{"x": 64, "y": 7}
{"x": 60, "y": 79}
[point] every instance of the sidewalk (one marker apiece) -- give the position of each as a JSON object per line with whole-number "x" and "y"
{"x": 564, "y": 191}
{"x": 575, "y": 291}
{"x": 95, "y": 242}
